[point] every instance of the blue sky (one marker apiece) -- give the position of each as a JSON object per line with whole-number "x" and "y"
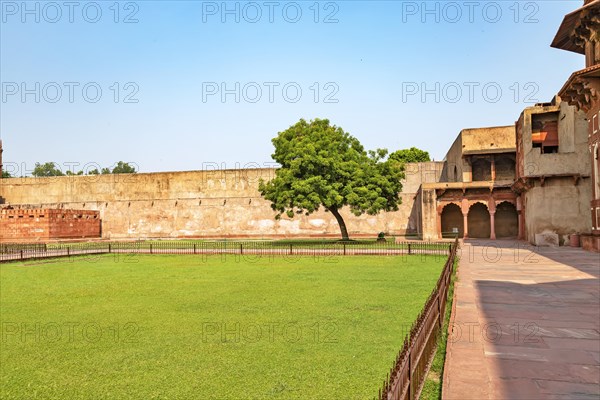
{"x": 162, "y": 67}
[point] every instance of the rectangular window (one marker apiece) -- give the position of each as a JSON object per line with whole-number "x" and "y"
{"x": 544, "y": 132}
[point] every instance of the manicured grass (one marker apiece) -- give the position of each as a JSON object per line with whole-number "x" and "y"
{"x": 220, "y": 327}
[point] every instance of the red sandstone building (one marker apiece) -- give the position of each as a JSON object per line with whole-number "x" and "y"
{"x": 580, "y": 33}
{"x": 46, "y": 224}
{"x": 474, "y": 198}
{"x": 43, "y": 224}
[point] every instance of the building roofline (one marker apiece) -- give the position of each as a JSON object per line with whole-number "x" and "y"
{"x": 594, "y": 71}
{"x": 562, "y": 39}
{"x": 486, "y": 127}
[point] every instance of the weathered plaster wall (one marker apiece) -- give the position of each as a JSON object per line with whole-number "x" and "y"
{"x": 559, "y": 207}
{"x": 456, "y": 169}
{"x": 572, "y": 156}
{"x": 488, "y": 141}
{"x": 557, "y": 201}
{"x": 497, "y": 139}
{"x": 203, "y": 204}
{"x": 429, "y": 213}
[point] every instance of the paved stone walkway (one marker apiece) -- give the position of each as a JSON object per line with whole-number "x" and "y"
{"x": 526, "y": 324}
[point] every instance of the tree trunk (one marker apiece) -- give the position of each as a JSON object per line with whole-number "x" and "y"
{"x": 341, "y": 223}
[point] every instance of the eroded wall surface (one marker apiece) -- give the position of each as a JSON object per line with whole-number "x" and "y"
{"x": 556, "y": 186}
{"x": 222, "y": 203}
{"x": 559, "y": 207}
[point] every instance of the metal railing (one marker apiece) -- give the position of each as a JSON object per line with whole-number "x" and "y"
{"x": 26, "y": 252}
{"x": 407, "y": 375}
{"x": 6, "y": 248}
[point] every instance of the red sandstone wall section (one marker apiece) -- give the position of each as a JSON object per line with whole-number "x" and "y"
{"x": 42, "y": 224}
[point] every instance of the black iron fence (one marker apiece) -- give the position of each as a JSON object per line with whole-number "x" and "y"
{"x": 7, "y": 248}
{"x": 407, "y": 375}
{"x": 11, "y": 252}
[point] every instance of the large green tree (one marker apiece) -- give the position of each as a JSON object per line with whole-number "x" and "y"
{"x": 410, "y": 155}
{"x": 321, "y": 165}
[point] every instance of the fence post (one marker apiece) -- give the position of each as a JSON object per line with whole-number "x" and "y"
{"x": 344, "y": 248}
{"x": 450, "y": 249}
{"x": 194, "y": 248}
{"x": 109, "y": 248}
{"x": 241, "y": 248}
{"x": 21, "y": 255}
{"x": 291, "y": 251}
{"x": 409, "y": 249}
{"x": 150, "y": 248}
{"x": 410, "y": 380}
{"x": 68, "y": 252}
{"x": 440, "y": 316}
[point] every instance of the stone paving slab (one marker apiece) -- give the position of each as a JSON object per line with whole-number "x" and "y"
{"x": 525, "y": 324}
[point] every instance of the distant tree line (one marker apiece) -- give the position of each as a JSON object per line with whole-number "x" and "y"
{"x": 48, "y": 169}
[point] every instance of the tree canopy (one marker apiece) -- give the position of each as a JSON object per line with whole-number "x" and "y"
{"x": 410, "y": 155}
{"x": 321, "y": 165}
{"x": 51, "y": 169}
{"x": 123, "y": 168}
{"x": 46, "y": 169}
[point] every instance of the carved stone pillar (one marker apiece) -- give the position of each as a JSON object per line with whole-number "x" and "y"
{"x": 521, "y": 218}
{"x": 464, "y": 207}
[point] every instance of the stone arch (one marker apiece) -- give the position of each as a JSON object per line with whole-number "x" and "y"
{"x": 506, "y": 220}
{"x": 482, "y": 170}
{"x": 452, "y": 218}
{"x": 482, "y": 202}
{"x": 478, "y": 220}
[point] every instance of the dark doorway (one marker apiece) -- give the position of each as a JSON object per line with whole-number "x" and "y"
{"x": 452, "y": 220}
{"x": 505, "y": 169}
{"x": 482, "y": 170}
{"x": 506, "y": 220}
{"x": 479, "y": 221}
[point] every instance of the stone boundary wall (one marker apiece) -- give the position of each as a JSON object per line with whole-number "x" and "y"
{"x": 38, "y": 224}
{"x": 204, "y": 204}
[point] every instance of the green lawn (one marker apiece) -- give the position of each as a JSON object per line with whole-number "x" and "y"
{"x": 193, "y": 327}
